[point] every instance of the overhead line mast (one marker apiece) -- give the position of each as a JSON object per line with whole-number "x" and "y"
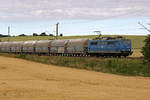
{"x": 8, "y": 32}
{"x": 57, "y": 31}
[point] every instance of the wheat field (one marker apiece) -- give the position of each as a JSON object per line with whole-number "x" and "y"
{"x": 26, "y": 80}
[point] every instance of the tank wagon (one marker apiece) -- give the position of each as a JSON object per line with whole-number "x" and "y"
{"x": 115, "y": 47}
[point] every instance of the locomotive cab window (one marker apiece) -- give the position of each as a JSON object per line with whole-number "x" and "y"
{"x": 93, "y": 43}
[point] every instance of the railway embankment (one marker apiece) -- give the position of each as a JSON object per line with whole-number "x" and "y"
{"x": 121, "y": 66}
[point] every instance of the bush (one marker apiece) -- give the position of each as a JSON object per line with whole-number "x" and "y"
{"x": 22, "y": 35}
{"x": 35, "y": 34}
{"x": 23, "y": 56}
{"x": 1, "y": 35}
{"x": 146, "y": 49}
{"x": 43, "y": 34}
{"x": 61, "y": 34}
{"x": 51, "y": 35}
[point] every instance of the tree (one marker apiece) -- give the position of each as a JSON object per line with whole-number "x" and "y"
{"x": 61, "y": 34}
{"x": 1, "y": 35}
{"x": 43, "y": 34}
{"x": 35, "y": 34}
{"x": 51, "y": 35}
{"x": 146, "y": 49}
{"x": 22, "y": 35}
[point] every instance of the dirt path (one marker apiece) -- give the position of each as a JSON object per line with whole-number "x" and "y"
{"x": 25, "y": 80}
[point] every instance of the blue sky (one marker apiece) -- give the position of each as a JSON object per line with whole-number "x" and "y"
{"x": 114, "y": 26}
{"x": 76, "y": 17}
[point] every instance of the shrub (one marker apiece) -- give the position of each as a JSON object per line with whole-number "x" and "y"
{"x": 35, "y": 34}
{"x": 146, "y": 49}
{"x": 43, "y": 34}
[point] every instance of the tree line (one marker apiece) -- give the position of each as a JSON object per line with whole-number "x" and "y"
{"x": 34, "y": 34}
{"x": 1, "y": 35}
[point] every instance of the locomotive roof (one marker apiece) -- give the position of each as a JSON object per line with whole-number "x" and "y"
{"x": 109, "y": 38}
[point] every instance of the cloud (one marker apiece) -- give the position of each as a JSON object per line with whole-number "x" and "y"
{"x": 28, "y": 10}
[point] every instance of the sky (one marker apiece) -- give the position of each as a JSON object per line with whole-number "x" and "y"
{"x": 76, "y": 17}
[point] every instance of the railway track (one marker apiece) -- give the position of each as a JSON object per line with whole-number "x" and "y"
{"x": 100, "y": 57}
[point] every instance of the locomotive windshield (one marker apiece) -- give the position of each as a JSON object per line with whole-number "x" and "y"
{"x": 126, "y": 42}
{"x": 94, "y": 43}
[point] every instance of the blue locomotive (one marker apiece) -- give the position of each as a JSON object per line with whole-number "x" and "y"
{"x": 115, "y": 47}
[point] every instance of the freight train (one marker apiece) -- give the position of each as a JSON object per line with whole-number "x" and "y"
{"x": 106, "y": 47}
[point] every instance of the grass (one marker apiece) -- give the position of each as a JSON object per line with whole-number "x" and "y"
{"x": 137, "y": 41}
{"x": 25, "y": 38}
{"x": 129, "y": 67}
